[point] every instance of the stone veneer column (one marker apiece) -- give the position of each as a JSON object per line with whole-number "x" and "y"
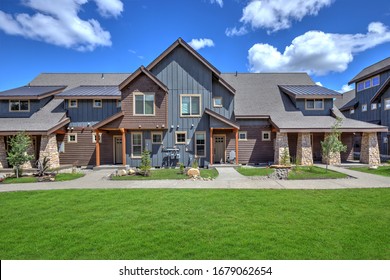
{"x": 334, "y": 158}
{"x": 369, "y": 150}
{"x": 304, "y": 149}
{"x": 281, "y": 147}
{"x": 49, "y": 149}
{"x": 3, "y": 154}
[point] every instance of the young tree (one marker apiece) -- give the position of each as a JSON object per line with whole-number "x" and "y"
{"x": 332, "y": 143}
{"x": 17, "y": 155}
{"x": 145, "y": 163}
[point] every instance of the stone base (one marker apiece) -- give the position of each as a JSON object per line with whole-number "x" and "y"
{"x": 369, "y": 151}
{"x": 281, "y": 149}
{"x": 304, "y": 149}
{"x": 49, "y": 149}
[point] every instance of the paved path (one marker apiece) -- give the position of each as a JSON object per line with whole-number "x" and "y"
{"x": 229, "y": 178}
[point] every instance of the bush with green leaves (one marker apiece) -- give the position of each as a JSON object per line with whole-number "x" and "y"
{"x": 17, "y": 154}
{"x": 145, "y": 165}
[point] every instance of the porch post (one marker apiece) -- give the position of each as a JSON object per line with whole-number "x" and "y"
{"x": 3, "y": 154}
{"x": 281, "y": 152}
{"x": 97, "y": 147}
{"x": 369, "y": 151}
{"x": 211, "y": 147}
{"x": 123, "y": 145}
{"x": 49, "y": 149}
{"x": 237, "y": 146}
{"x": 304, "y": 149}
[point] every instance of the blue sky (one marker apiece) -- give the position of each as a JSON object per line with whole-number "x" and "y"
{"x": 332, "y": 40}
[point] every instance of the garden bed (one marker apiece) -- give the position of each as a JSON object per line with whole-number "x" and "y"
{"x": 168, "y": 174}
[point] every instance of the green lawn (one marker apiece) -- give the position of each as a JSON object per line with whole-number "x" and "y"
{"x": 195, "y": 224}
{"x": 382, "y": 170}
{"x": 254, "y": 171}
{"x": 314, "y": 172}
{"x": 173, "y": 174}
{"x": 59, "y": 177}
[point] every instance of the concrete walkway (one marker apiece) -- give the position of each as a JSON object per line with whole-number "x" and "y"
{"x": 228, "y": 178}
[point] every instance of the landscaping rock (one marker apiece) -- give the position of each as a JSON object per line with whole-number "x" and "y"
{"x": 373, "y": 167}
{"x": 132, "y": 172}
{"x": 121, "y": 172}
{"x": 193, "y": 172}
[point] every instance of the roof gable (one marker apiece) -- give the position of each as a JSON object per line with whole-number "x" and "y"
{"x": 372, "y": 70}
{"x": 381, "y": 90}
{"x": 143, "y": 70}
{"x": 309, "y": 91}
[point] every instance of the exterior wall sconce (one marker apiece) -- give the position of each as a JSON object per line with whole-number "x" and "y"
{"x": 163, "y": 125}
{"x": 172, "y": 126}
{"x": 139, "y": 126}
{"x": 177, "y": 126}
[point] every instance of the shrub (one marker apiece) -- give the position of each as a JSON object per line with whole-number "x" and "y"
{"x": 17, "y": 155}
{"x": 145, "y": 163}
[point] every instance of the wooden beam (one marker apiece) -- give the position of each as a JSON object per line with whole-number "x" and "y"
{"x": 211, "y": 147}
{"x": 123, "y": 145}
{"x": 97, "y": 147}
{"x": 236, "y": 146}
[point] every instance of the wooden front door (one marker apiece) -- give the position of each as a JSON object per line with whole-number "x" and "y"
{"x": 219, "y": 148}
{"x": 118, "y": 150}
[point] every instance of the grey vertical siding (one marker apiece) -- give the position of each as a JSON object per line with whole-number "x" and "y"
{"x": 328, "y": 105}
{"x": 35, "y": 105}
{"x": 227, "y": 100}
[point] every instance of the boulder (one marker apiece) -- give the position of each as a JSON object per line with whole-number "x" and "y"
{"x": 121, "y": 172}
{"x": 193, "y": 172}
{"x": 131, "y": 172}
{"x": 373, "y": 167}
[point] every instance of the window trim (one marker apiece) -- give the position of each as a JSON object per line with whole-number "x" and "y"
{"x": 374, "y": 106}
{"x": 314, "y": 104}
{"x": 266, "y": 132}
{"x": 200, "y": 105}
{"x": 75, "y": 137}
{"x": 132, "y": 144}
{"x": 205, "y": 144}
{"x": 246, "y": 136}
{"x": 118, "y": 103}
{"x": 218, "y": 105}
{"x": 101, "y": 103}
{"x": 371, "y": 80}
{"x": 70, "y": 102}
{"x": 363, "y": 107}
{"x": 17, "y": 111}
{"x": 351, "y": 111}
{"x": 157, "y": 133}
{"x": 94, "y": 137}
{"x": 384, "y": 103}
{"x": 138, "y": 93}
{"x": 185, "y": 137}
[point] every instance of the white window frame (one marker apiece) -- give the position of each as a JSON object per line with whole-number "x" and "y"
{"x": 75, "y": 137}
{"x": 360, "y": 86}
{"x": 386, "y": 103}
{"x": 200, "y": 105}
{"x": 143, "y": 94}
{"x": 18, "y": 101}
{"x": 94, "y": 137}
{"x": 132, "y": 144}
{"x": 243, "y": 133}
{"x": 379, "y": 81}
{"x": 70, "y": 103}
{"x": 119, "y": 103}
{"x": 157, "y": 133}
{"x": 264, "y": 133}
{"x": 196, "y": 145}
{"x": 374, "y": 106}
{"x": 352, "y": 111}
{"x": 217, "y": 105}
{"x": 314, "y": 104}
{"x": 97, "y": 106}
{"x": 185, "y": 137}
{"x": 364, "y": 107}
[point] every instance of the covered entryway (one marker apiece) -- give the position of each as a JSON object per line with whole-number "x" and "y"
{"x": 118, "y": 150}
{"x": 219, "y": 144}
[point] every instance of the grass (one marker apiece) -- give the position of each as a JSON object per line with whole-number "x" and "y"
{"x": 195, "y": 224}
{"x": 382, "y": 170}
{"x": 314, "y": 172}
{"x": 173, "y": 174}
{"x": 59, "y": 177}
{"x": 254, "y": 171}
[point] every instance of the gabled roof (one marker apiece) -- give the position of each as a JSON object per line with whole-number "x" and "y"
{"x": 381, "y": 90}
{"x": 182, "y": 43}
{"x": 108, "y": 120}
{"x": 88, "y": 92}
{"x": 372, "y": 70}
{"x": 352, "y": 104}
{"x": 344, "y": 98}
{"x": 139, "y": 71}
{"x": 31, "y": 92}
{"x": 309, "y": 91}
{"x": 222, "y": 118}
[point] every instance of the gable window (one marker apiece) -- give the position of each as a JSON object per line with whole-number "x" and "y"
{"x": 242, "y": 135}
{"x": 373, "y": 106}
{"x": 266, "y": 136}
{"x": 217, "y": 102}
{"x": 190, "y": 105}
{"x": 136, "y": 144}
{"x": 72, "y": 138}
{"x": 314, "y": 104}
{"x": 375, "y": 81}
{"x": 200, "y": 144}
{"x": 387, "y": 104}
{"x": 352, "y": 111}
{"x": 156, "y": 137}
{"x": 364, "y": 107}
{"x": 144, "y": 103}
{"x": 367, "y": 83}
{"x": 97, "y": 103}
{"x": 371, "y": 82}
{"x": 72, "y": 103}
{"x": 94, "y": 137}
{"x": 181, "y": 137}
{"x": 19, "y": 105}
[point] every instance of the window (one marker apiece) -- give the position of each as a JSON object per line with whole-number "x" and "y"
{"x": 360, "y": 86}
{"x": 156, "y": 137}
{"x": 119, "y": 103}
{"x": 367, "y": 83}
{"x": 181, "y": 137}
{"x": 94, "y": 137}
{"x": 136, "y": 144}
{"x": 375, "y": 81}
{"x": 364, "y": 107}
{"x": 190, "y": 105}
{"x": 72, "y": 103}
{"x": 19, "y": 105}
{"x": 144, "y": 104}
{"x": 97, "y": 103}
{"x": 352, "y": 111}
{"x": 314, "y": 104}
{"x": 72, "y": 138}
{"x": 387, "y": 104}
{"x": 242, "y": 136}
{"x": 266, "y": 136}
{"x": 373, "y": 106}
{"x": 200, "y": 144}
{"x": 371, "y": 82}
{"x": 217, "y": 102}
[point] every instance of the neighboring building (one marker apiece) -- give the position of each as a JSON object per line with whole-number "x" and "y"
{"x": 180, "y": 108}
{"x": 370, "y": 100}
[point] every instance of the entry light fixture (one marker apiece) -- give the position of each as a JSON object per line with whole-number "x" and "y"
{"x": 172, "y": 126}
{"x": 139, "y": 126}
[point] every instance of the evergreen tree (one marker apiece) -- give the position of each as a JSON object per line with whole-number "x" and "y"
{"x": 17, "y": 155}
{"x": 145, "y": 163}
{"x": 332, "y": 143}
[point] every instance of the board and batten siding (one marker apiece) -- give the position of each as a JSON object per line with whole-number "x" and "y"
{"x": 35, "y": 105}
{"x": 328, "y": 105}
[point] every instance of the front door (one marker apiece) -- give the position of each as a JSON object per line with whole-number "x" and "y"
{"x": 219, "y": 148}
{"x": 118, "y": 150}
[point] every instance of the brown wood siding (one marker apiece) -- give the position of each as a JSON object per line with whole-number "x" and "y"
{"x": 347, "y": 139}
{"x": 142, "y": 84}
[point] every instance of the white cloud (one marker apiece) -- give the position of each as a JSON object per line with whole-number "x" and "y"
{"x": 317, "y": 52}
{"x": 274, "y": 15}
{"x": 219, "y": 2}
{"x": 57, "y": 22}
{"x": 198, "y": 44}
{"x": 236, "y": 32}
{"x": 346, "y": 88}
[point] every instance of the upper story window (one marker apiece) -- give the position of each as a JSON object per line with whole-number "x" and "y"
{"x": 242, "y": 136}
{"x": 371, "y": 82}
{"x": 375, "y": 81}
{"x": 373, "y": 106}
{"x": 97, "y": 103}
{"x": 314, "y": 104}
{"x": 387, "y": 104}
{"x": 364, "y": 107}
{"x": 217, "y": 102}
{"x": 190, "y": 105}
{"x": 119, "y": 103}
{"x": 19, "y": 105}
{"x": 144, "y": 103}
{"x": 266, "y": 136}
{"x": 352, "y": 111}
{"x": 72, "y": 103}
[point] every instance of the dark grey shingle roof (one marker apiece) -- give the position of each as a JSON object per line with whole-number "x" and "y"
{"x": 374, "y": 69}
{"x": 303, "y": 91}
{"x": 30, "y": 91}
{"x": 91, "y": 91}
{"x": 345, "y": 98}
